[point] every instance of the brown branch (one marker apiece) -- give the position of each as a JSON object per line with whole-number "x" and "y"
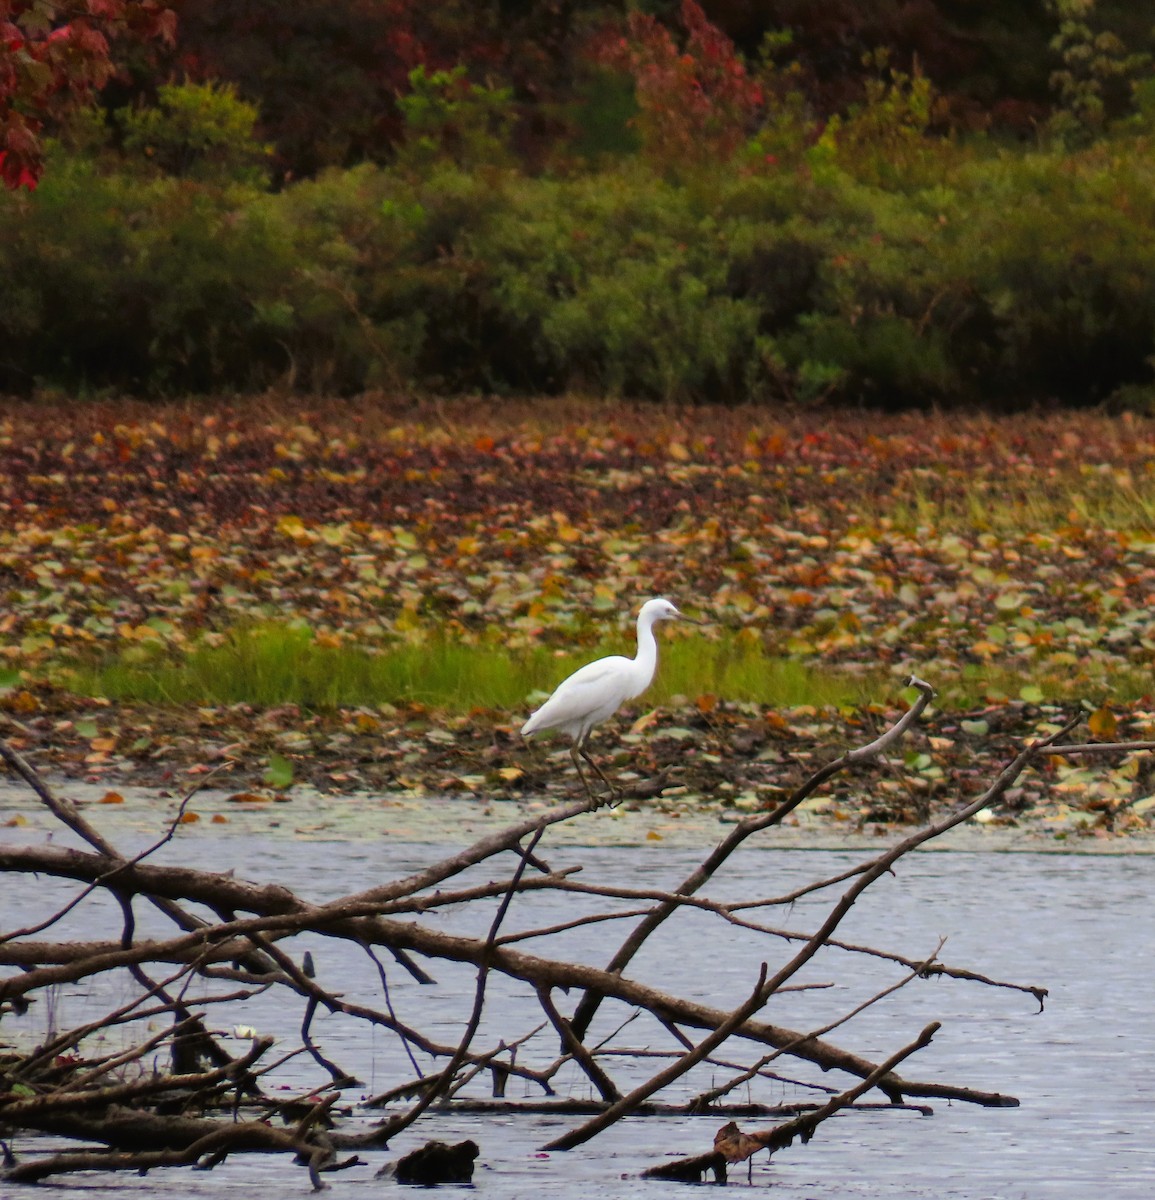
{"x": 530, "y": 968}
{"x": 220, "y": 1140}
{"x": 588, "y": 1006}
{"x": 803, "y": 1126}
{"x": 731, "y": 1145}
{"x": 374, "y": 918}
{"x": 623, "y": 1107}
{"x": 607, "y": 1089}
{"x": 15, "y": 1109}
{"x": 704, "y": 1100}
{"x": 1105, "y": 748}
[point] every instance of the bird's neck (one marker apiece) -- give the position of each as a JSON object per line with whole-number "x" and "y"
{"x": 646, "y": 659}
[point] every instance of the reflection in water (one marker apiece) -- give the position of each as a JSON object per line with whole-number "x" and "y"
{"x": 1079, "y": 926}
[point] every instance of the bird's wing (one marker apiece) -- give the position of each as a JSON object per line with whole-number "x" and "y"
{"x": 596, "y": 686}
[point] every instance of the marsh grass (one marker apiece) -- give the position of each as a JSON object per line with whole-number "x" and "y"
{"x": 271, "y": 665}
{"x": 1038, "y": 504}
{"x": 1095, "y": 685}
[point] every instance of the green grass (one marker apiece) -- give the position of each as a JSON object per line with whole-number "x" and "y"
{"x": 734, "y": 669}
{"x": 1095, "y": 684}
{"x": 271, "y": 665}
{"x": 1039, "y": 505}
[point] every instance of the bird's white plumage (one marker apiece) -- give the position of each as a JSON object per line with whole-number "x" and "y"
{"x": 587, "y": 697}
{"x": 597, "y": 690}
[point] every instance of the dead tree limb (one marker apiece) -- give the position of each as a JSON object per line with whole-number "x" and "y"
{"x": 589, "y": 1004}
{"x": 627, "y": 1104}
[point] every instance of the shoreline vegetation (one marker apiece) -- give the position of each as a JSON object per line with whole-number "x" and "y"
{"x": 692, "y": 224}
{"x": 369, "y": 596}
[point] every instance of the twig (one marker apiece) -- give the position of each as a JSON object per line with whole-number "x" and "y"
{"x": 607, "y": 1089}
{"x": 804, "y": 1126}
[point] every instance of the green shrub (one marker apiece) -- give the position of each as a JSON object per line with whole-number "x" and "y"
{"x": 198, "y": 131}
{"x": 1058, "y": 254}
{"x": 132, "y": 284}
{"x": 617, "y": 283}
{"x": 1003, "y": 275}
{"x": 448, "y": 118}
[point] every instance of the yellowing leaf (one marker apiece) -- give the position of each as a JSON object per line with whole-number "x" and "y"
{"x": 112, "y": 798}
{"x": 1102, "y": 724}
{"x": 189, "y": 818}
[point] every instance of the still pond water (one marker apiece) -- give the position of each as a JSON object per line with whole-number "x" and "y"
{"x": 1084, "y": 1069}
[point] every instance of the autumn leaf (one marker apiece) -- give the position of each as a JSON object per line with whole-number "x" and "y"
{"x": 1103, "y": 724}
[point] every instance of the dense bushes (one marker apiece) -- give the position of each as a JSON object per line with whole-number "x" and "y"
{"x": 870, "y": 262}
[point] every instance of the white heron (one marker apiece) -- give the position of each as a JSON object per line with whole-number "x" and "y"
{"x": 597, "y": 690}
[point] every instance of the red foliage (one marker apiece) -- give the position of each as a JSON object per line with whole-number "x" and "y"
{"x": 696, "y": 102}
{"x": 323, "y": 76}
{"x": 54, "y": 56}
{"x": 326, "y": 77}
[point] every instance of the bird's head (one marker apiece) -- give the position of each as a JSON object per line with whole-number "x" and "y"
{"x": 661, "y": 609}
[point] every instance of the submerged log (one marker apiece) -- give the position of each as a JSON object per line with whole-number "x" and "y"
{"x": 690, "y": 1170}
{"x": 435, "y": 1163}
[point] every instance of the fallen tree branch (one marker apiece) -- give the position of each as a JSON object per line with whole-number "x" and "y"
{"x": 249, "y": 936}
{"x": 588, "y": 1006}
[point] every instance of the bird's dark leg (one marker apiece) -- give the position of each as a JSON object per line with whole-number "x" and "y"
{"x": 614, "y": 797}
{"x": 573, "y": 753}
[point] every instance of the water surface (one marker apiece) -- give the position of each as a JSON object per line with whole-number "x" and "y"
{"x": 1078, "y": 925}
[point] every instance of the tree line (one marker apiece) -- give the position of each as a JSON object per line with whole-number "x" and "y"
{"x": 674, "y": 200}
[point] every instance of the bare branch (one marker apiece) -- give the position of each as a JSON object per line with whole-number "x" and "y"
{"x": 588, "y": 1006}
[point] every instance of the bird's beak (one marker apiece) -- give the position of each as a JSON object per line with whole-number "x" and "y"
{"x": 692, "y": 620}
